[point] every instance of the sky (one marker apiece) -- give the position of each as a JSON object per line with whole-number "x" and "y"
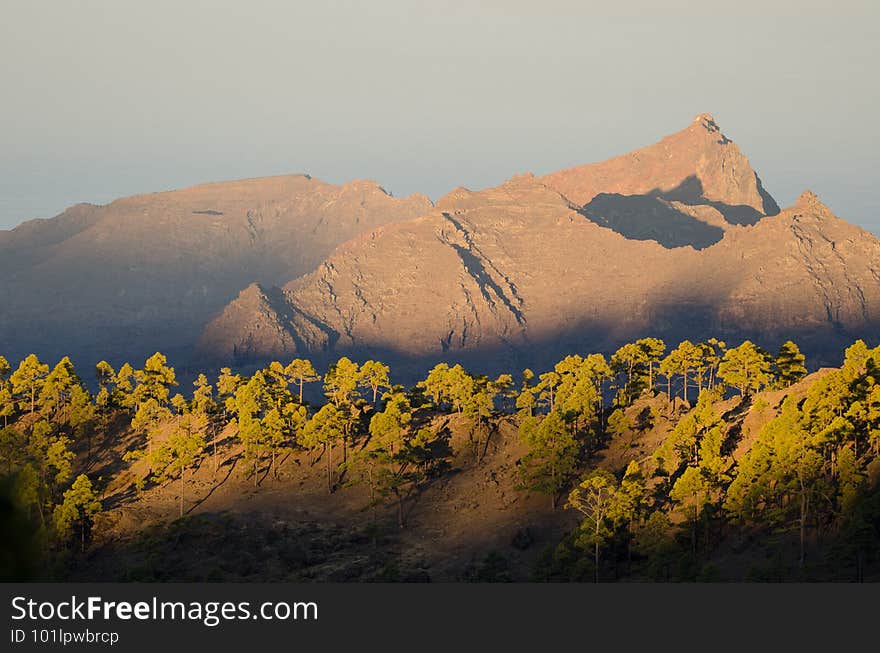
{"x": 100, "y": 100}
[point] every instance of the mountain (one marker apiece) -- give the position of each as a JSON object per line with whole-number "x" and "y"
{"x": 147, "y": 272}
{"x": 697, "y": 166}
{"x": 677, "y": 240}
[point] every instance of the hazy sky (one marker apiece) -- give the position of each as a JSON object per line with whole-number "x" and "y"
{"x": 104, "y": 99}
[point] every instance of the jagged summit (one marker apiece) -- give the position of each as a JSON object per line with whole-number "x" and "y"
{"x": 809, "y": 198}
{"x": 706, "y": 121}
{"x": 697, "y": 166}
{"x": 809, "y": 205}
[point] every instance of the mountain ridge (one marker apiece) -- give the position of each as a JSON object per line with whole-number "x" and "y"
{"x": 475, "y": 248}
{"x": 675, "y": 239}
{"x": 146, "y": 272}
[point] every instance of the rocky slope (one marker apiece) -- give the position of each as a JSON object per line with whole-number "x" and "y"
{"x": 146, "y": 272}
{"x": 696, "y": 167}
{"x": 520, "y": 274}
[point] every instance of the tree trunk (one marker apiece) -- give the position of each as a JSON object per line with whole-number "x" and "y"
{"x": 802, "y": 524}
{"x": 596, "y": 551}
{"x": 329, "y": 467}
{"x": 182, "y": 487}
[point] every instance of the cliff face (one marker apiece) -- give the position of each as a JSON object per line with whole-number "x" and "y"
{"x": 146, "y": 272}
{"x": 516, "y": 276}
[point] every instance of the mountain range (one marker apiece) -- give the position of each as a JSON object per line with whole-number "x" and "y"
{"x": 676, "y": 240}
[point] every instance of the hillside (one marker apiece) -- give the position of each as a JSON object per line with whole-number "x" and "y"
{"x": 146, "y": 272}
{"x": 513, "y": 276}
{"x": 475, "y": 521}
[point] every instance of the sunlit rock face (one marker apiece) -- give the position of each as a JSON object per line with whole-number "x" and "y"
{"x": 678, "y": 240}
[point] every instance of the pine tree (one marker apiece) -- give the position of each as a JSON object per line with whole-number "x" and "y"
{"x": 227, "y": 384}
{"x": 685, "y": 360}
{"x": 654, "y": 349}
{"x": 154, "y": 380}
{"x": 711, "y": 352}
{"x": 301, "y": 372}
{"x": 789, "y": 364}
{"x": 203, "y": 396}
{"x": 630, "y": 502}
{"x": 780, "y": 477}
{"x": 389, "y": 428}
{"x": 436, "y": 384}
{"x": 374, "y": 375}
{"x": 123, "y": 393}
{"x": 106, "y": 377}
{"x": 597, "y": 498}
{"x": 525, "y": 401}
{"x": 654, "y": 541}
{"x": 7, "y": 402}
{"x": 325, "y": 429}
{"x": 27, "y": 382}
{"x": 691, "y": 492}
{"x": 78, "y": 510}
{"x": 630, "y": 361}
{"x": 13, "y": 449}
{"x": 552, "y": 456}
{"x": 341, "y": 382}
{"x": 250, "y": 404}
{"x": 179, "y": 453}
{"x": 56, "y": 388}
{"x": 618, "y": 424}
{"x": 747, "y": 368}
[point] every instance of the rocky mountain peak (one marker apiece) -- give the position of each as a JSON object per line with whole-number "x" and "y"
{"x": 708, "y": 123}
{"x": 808, "y": 198}
{"x": 809, "y": 203}
{"x": 696, "y": 166}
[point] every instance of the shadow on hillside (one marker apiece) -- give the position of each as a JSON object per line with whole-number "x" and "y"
{"x": 645, "y": 217}
{"x": 652, "y": 216}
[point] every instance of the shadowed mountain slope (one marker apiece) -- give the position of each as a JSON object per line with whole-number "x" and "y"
{"x": 146, "y": 272}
